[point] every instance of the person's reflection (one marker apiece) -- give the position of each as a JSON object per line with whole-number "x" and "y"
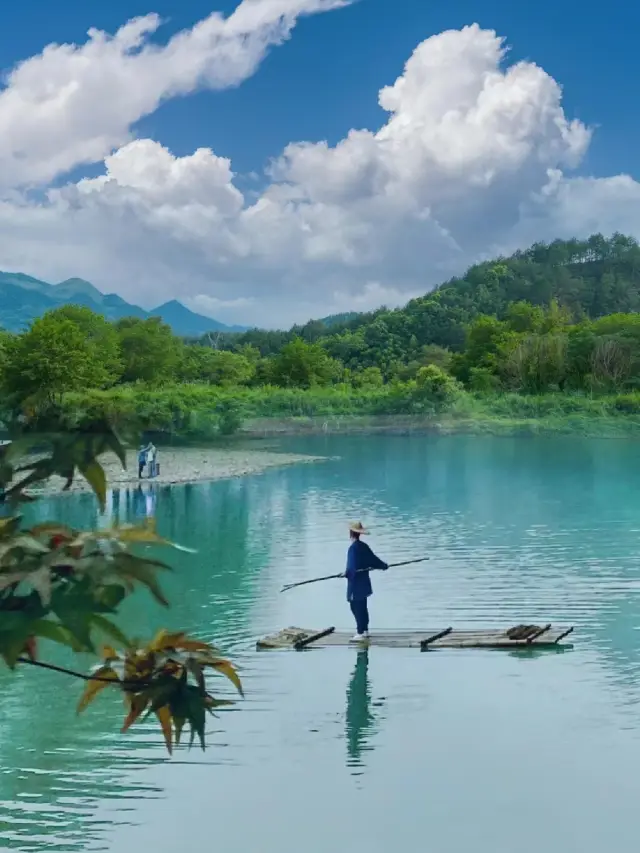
{"x": 138, "y": 503}
{"x": 144, "y": 501}
{"x": 360, "y": 718}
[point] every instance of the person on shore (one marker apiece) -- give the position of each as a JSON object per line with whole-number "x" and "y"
{"x": 360, "y": 558}
{"x": 151, "y": 459}
{"x": 142, "y": 460}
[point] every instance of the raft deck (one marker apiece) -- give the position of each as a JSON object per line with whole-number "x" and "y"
{"x": 519, "y": 636}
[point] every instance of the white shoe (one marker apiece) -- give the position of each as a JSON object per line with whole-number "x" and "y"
{"x": 357, "y": 637}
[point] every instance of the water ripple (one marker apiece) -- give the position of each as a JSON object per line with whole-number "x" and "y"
{"x": 514, "y": 532}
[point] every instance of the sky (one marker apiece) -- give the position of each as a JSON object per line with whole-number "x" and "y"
{"x": 276, "y": 160}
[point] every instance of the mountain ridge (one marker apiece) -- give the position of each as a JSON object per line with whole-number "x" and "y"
{"x": 24, "y": 298}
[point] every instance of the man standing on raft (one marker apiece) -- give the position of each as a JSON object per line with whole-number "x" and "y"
{"x": 360, "y": 557}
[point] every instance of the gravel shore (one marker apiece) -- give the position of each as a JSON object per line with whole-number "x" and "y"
{"x": 186, "y": 465}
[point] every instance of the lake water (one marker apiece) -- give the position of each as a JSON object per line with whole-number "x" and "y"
{"x": 335, "y": 750}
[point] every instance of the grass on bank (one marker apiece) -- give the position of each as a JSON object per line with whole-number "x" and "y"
{"x": 205, "y": 412}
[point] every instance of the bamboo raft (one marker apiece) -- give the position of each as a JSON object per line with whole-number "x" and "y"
{"x": 520, "y": 636}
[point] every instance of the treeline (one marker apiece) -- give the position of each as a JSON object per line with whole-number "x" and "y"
{"x": 590, "y": 279}
{"x": 556, "y": 319}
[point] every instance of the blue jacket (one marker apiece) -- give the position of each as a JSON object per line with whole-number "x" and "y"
{"x": 360, "y": 556}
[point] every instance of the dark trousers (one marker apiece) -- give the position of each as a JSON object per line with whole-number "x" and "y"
{"x": 140, "y": 469}
{"x": 360, "y": 610}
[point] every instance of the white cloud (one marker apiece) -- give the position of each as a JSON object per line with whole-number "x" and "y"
{"x": 73, "y": 104}
{"x": 471, "y": 161}
{"x": 211, "y": 306}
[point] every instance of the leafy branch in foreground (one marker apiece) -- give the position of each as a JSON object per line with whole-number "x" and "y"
{"x": 65, "y": 585}
{"x": 166, "y": 678}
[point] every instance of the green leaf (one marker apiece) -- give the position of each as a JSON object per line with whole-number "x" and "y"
{"x": 40, "y": 580}
{"x": 135, "y": 568}
{"x": 95, "y": 476}
{"x": 55, "y": 632}
{"x": 110, "y": 630}
{"x": 12, "y": 649}
{"x": 196, "y": 716}
{"x": 115, "y": 445}
{"x": 179, "y": 705}
{"x": 75, "y": 608}
{"x": 112, "y": 595}
{"x": 9, "y": 526}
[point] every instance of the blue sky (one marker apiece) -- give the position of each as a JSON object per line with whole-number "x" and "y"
{"x": 325, "y": 79}
{"x": 322, "y": 82}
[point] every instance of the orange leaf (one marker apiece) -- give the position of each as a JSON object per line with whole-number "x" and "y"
{"x": 227, "y": 669}
{"x": 161, "y": 640}
{"x": 179, "y": 640}
{"x": 189, "y": 645}
{"x": 137, "y": 706}
{"x": 94, "y": 687}
{"x": 109, "y": 653}
{"x": 211, "y": 702}
{"x": 164, "y": 716}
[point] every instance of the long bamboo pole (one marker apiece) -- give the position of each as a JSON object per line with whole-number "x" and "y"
{"x": 341, "y": 574}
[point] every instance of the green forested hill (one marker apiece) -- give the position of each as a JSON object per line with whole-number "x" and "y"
{"x": 550, "y": 335}
{"x": 591, "y": 278}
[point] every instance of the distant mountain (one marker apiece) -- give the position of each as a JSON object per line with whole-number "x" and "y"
{"x": 23, "y": 298}
{"x": 191, "y": 324}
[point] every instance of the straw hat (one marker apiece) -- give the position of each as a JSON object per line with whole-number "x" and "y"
{"x": 356, "y": 527}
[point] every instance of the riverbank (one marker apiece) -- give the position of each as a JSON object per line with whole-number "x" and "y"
{"x": 593, "y": 426}
{"x": 188, "y": 414}
{"x": 186, "y": 465}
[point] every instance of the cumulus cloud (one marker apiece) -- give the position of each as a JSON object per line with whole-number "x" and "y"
{"x": 473, "y": 159}
{"x": 73, "y": 104}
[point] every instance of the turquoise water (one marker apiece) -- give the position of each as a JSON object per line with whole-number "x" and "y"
{"x": 367, "y": 753}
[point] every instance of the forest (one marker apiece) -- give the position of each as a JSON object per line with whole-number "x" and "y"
{"x": 553, "y": 329}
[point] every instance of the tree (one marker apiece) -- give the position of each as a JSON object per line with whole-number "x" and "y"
{"x": 303, "y": 365}
{"x": 369, "y": 378}
{"x": 487, "y": 344}
{"x": 101, "y": 336}
{"x": 53, "y": 357}
{"x": 63, "y": 585}
{"x": 150, "y": 350}
{"x": 538, "y": 363}
{"x": 610, "y": 362}
{"x": 524, "y": 317}
{"x": 437, "y": 386}
{"x": 219, "y": 367}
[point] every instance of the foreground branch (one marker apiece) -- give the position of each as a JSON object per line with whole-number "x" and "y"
{"x": 124, "y": 685}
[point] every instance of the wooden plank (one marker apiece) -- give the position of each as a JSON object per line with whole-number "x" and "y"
{"x": 291, "y": 638}
{"x": 424, "y": 644}
{"x": 302, "y": 644}
{"x": 539, "y": 633}
{"x": 565, "y": 634}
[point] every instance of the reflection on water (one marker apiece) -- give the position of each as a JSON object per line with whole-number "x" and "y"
{"x": 129, "y": 504}
{"x": 538, "y": 747}
{"x": 360, "y": 720}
